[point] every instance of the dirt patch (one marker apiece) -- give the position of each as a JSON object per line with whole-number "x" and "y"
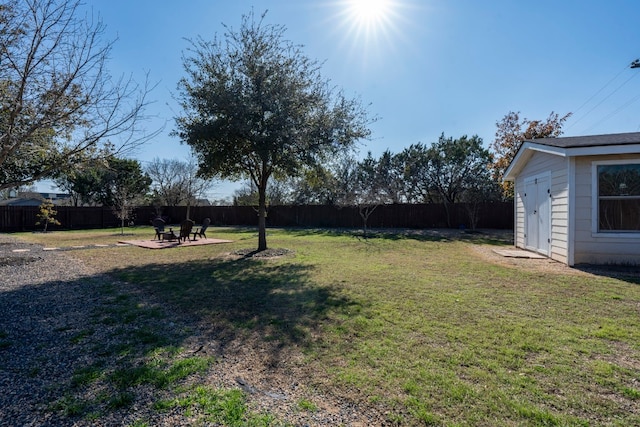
{"x": 547, "y": 265}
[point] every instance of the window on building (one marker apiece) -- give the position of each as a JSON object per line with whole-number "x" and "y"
{"x": 619, "y": 197}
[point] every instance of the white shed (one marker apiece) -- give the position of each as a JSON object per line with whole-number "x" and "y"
{"x": 577, "y": 199}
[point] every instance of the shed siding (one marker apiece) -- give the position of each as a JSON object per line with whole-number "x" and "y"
{"x": 557, "y": 166}
{"x": 518, "y": 238}
{"x": 598, "y": 248}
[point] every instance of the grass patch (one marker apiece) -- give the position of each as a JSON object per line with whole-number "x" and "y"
{"x": 419, "y": 324}
{"x": 307, "y": 405}
{"x": 69, "y": 405}
{"x": 87, "y": 375}
{"x": 159, "y": 373}
{"x": 631, "y": 393}
{"x": 219, "y": 407}
{"x": 121, "y": 400}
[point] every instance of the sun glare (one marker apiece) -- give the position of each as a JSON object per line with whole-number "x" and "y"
{"x": 370, "y": 29}
{"x": 369, "y": 12}
{"x": 370, "y": 20}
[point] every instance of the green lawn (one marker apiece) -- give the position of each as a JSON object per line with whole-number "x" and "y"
{"x": 423, "y": 326}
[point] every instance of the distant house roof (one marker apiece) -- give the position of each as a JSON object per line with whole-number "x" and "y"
{"x": 55, "y": 196}
{"x": 21, "y": 201}
{"x": 29, "y": 198}
{"x": 571, "y": 146}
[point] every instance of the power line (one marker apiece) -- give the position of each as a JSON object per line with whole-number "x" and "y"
{"x": 600, "y": 90}
{"x": 634, "y": 64}
{"x": 613, "y": 113}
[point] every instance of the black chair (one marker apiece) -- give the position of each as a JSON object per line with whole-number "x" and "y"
{"x": 185, "y": 230}
{"x": 158, "y": 225}
{"x": 202, "y": 230}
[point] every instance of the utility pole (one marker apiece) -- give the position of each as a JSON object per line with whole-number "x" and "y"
{"x": 635, "y": 64}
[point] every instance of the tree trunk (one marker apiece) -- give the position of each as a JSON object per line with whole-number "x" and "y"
{"x": 262, "y": 218}
{"x": 365, "y": 212}
{"x": 473, "y": 214}
{"x": 447, "y": 211}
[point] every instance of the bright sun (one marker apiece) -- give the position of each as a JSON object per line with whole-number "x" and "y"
{"x": 368, "y": 13}
{"x": 370, "y": 27}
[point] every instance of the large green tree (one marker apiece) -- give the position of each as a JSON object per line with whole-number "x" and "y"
{"x": 390, "y": 173}
{"x": 414, "y": 163}
{"x": 57, "y": 99}
{"x": 256, "y": 107}
{"x": 120, "y": 176}
{"x": 454, "y": 168}
{"x": 82, "y": 183}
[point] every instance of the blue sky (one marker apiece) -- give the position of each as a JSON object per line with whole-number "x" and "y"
{"x": 426, "y": 67}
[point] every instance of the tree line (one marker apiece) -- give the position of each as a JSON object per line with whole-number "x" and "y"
{"x": 446, "y": 172}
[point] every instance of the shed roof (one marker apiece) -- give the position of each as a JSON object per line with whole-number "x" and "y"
{"x": 590, "y": 140}
{"x": 571, "y": 146}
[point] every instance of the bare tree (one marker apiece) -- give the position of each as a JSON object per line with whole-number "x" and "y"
{"x": 363, "y": 185}
{"x": 166, "y": 177}
{"x": 57, "y": 99}
{"x": 177, "y": 183}
{"x": 194, "y": 185}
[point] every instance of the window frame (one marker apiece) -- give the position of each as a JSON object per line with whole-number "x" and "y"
{"x": 595, "y": 200}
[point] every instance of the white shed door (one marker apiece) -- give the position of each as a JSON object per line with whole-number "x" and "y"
{"x": 538, "y": 214}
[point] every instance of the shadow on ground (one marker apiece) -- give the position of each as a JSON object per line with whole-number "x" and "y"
{"x": 102, "y": 349}
{"x": 628, "y": 273}
{"x": 277, "y": 301}
{"x": 484, "y": 236}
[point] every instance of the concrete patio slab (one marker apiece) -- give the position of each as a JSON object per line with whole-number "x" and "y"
{"x": 518, "y": 253}
{"x": 164, "y": 244}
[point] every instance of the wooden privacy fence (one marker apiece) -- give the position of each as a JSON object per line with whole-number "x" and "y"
{"x": 498, "y": 215}
{"x": 23, "y": 218}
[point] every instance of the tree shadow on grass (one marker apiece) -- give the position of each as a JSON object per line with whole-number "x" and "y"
{"x": 484, "y": 236}
{"x": 278, "y": 301}
{"x": 93, "y": 349}
{"x": 62, "y": 343}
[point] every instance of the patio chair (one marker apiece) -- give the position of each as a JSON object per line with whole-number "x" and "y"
{"x": 202, "y": 230}
{"x": 158, "y": 225}
{"x": 185, "y": 230}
